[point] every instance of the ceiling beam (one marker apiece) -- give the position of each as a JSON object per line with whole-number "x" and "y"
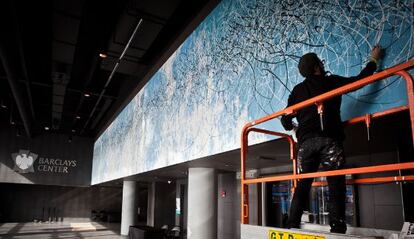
{"x": 12, "y": 76}
{"x": 95, "y": 29}
{"x": 118, "y": 62}
{"x": 11, "y": 62}
{"x": 80, "y": 92}
{"x": 24, "y": 69}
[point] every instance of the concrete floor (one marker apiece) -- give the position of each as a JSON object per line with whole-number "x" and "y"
{"x": 60, "y": 230}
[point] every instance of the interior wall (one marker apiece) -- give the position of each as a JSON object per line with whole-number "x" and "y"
{"x": 25, "y": 203}
{"x": 405, "y": 154}
{"x": 58, "y": 161}
{"x": 142, "y": 204}
{"x": 228, "y": 205}
{"x": 379, "y": 205}
{"x": 164, "y": 208}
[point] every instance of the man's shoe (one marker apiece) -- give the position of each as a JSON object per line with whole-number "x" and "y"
{"x": 338, "y": 227}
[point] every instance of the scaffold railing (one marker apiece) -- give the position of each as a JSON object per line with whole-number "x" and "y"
{"x": 398, "y": 70}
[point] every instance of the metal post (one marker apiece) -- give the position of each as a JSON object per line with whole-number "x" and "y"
{"x": 410, "y": 95}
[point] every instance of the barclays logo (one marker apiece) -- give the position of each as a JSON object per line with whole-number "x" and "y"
{"x": 23, "y": 161}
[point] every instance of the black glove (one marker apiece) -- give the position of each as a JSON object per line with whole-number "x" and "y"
{"x": 286, "y": 121}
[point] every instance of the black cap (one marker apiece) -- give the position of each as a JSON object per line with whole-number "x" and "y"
{"x": 307, "y": 64}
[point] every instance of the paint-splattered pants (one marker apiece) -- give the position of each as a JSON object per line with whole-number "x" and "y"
{"x": 328, "y": 154}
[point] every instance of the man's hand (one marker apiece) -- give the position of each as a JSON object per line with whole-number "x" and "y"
{"x": 287, "y": 123}
{"x": 376, "y": 52}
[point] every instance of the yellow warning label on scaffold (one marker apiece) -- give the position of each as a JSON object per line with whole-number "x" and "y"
{"x": 289, "y": 235}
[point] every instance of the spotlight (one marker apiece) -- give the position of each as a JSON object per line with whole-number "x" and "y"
{"x": 103, "y": 55}
{"x": 73, "y": 131}
{"x": 86, "y": 95}
{"x": 2, "y": 105}
{"x": 47, "y": 128}
{"x": 169, "y": 181}
{"x": 78, "y": 117}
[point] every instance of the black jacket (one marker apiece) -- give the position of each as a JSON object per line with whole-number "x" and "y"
{"x": 308, "y": 118}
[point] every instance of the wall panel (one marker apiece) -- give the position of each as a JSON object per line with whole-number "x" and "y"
{"x": 58, "y": 161}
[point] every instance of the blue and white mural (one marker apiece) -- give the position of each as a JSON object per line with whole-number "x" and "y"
{"x": 240, "y": 64}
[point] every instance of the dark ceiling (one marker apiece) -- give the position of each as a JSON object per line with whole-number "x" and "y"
{"x": 52, "y": 77}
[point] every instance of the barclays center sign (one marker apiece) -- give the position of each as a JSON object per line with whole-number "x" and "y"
{"x": 24, "y": 162}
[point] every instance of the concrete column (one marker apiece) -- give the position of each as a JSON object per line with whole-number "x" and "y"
{"x": 202, "y": 203}
{"x": 129, "y": 206}
{"x": 151, "y": 205}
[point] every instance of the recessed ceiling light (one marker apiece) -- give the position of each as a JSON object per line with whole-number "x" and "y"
{"x": 3, "y": 105}
{"x": 103, "y": 55}
{"x": 86, "y": 94}
{"x": 169, "y": 181}
{"x": 46, "y": 128}
{"x": 78, "y": 117}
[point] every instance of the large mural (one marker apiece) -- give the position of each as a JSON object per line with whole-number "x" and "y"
{"x": 241, "y": 64}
